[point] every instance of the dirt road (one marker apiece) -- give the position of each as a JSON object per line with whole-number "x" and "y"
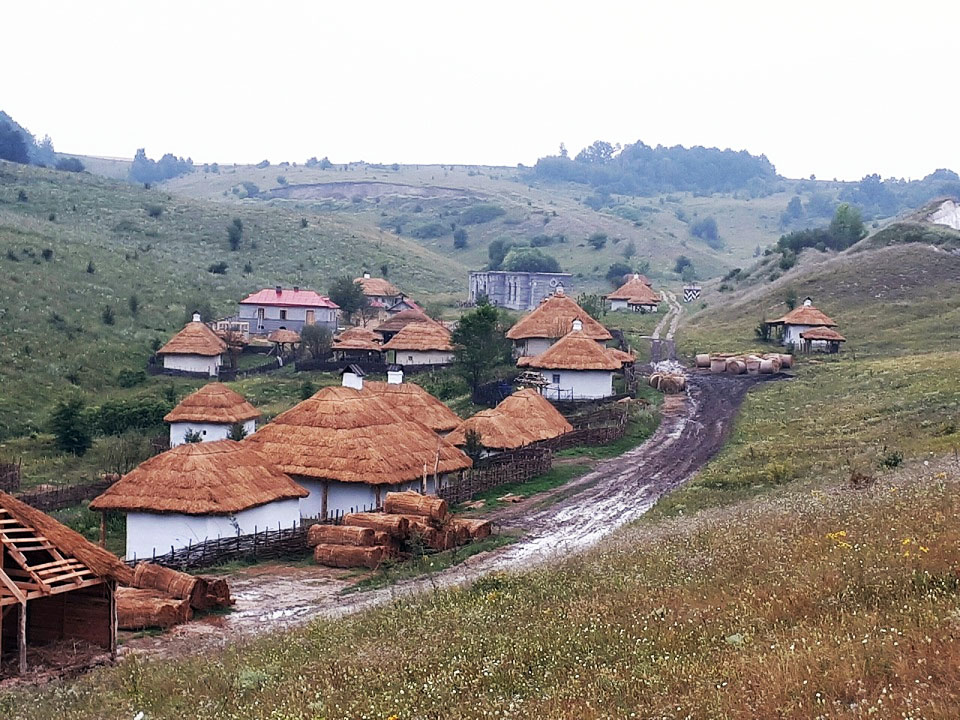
{"x": 666, "y": 348}
{"x": 568, "y": 519}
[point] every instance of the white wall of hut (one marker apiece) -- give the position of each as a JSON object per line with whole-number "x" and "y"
{"x": 584, "y": 384}
{"x": 345, "y": 497}
{"x": 208, "y": 431}
{"x": 422, "y": 357}
{"x": 193, "y": 363}
{"x": 791, "y": 333}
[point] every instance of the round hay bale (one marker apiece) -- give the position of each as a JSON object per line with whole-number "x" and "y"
{"x": 718, "y": 364}
{"x": 703, "y": 360}
{"x": 753, "y": 364}
{"x": 736, "y": 366}
{"x": 786, "y": 361}
{"x": 767, "y": 367}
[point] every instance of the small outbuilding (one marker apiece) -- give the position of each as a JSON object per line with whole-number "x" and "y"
{"x": 201, "y": 491}
{"x": 636, "y": 295}
{"x": 420, "y": 343}
{"x": 550, "y": 321}
{"x": 799, "y": 320}
{"x": 388, "y": 328}
{"x": 822, "y": 339}
{"x": 210, "y": 414}
{"x": 196, "y": 350}
{"x": 358, "y": 343}
{"x": 576, "y": 367}
{"x": 55, "y": 586}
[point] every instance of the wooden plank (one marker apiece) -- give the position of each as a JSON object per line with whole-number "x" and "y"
{"x": 36, "y": 568}
{"x": 68, "y": 576}
{"x": 22, "y": 637}
{"x": 50, "y": 572}
{"x": 12, "y": 587}
{"x": 32, "y": 538}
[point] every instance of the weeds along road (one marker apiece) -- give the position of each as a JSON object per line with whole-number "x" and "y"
{"x": 565, "y": 520}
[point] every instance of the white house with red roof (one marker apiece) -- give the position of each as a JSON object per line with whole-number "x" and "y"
{"x": 287, "y": 309}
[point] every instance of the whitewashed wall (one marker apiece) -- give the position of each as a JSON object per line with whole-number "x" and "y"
{"x": 193, "y": 363}
{"x": 423, "y": 357}
{"x": 348, "y": 497}
{"x": 147, "y": 532}
{"x": 586, "y": 384}
{"x": 791, "y": 333}
{"x": 208, "y": 431}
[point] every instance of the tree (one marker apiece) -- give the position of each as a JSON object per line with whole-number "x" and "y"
{"x": 682, "y": 263}
{"x": 629, "y": 250}
{"x": 192, "y": 436}
{"x": 134, "y": 303}
{"x": 70, "y": 164}
{"x": 235, "y": 233}
{"x": 616, "y": 272}
{"x": 706, "y": 230}
{"x": 847, "y": 225}
{"x": 795, "y": 208}
{"x": 70, "y": 425}
{"x": 473, "y": 447}
{"x": 348, "y": 294}
{"x": 237, "y": 432}
{"x": 107, "y": 315}
{"x": 496, "y": 252}
{"x": 198, "y": 304}
{"x": 597, "y": 241}
{"x": 530, "y": 260}
{"x": 481, "y": 345}
{"x": 599, "y": 153}
{"x": 593, "y": 305}
{"x": 12, "y": 145}
{"x": 791, "y": 299}
{"x": 459, "y": 238}
{"x": 316, "y": 339}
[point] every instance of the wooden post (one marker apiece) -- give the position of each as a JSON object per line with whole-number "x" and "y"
{"x": 323, "y": 501}
{"x": 22, "y": 637}
{"x": 112, "y": 591}
{"x": 103, "y": 528}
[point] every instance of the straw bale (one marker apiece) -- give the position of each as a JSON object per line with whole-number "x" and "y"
{"x": 348, "y": 556}
{"x": 339, "y": 535}
{"x": 421, "y": 336}
{"x": 668, "y": 382}
{"x": 213, "y": 403}
{"x": 775, "y": 359}
{"x": 195, "y": 339}
{"x": 354, "y": 436}
{"x": 736, "y": 366}
{"x": 786, "y": 361}
{"x": 575, "y": 351}
{"x": 413, "y": 503}
{"x": 703, "y": 360}
{"x": 412, "y": 402}
{"x": 767, "y": 367}
{"x": 214, "y": 478}
{"x": 718, "y": 364}
{"x": 476, "y": 529}
{"x": 553, "y": 318}
{"x": 396, "y": 526}
{"x": 139, "y": 608}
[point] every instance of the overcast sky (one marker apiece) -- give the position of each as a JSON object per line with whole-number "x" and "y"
{"x": 836, "y": 88}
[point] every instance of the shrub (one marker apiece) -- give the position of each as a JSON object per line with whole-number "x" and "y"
{"x": 115, "y": 417}
{"x": 52, "y": 217}
{"x": 237, "y": 432}
{"x": 235, "y": 234}
{"x": 192, "y": 436}
{"x": 247, "y": 268}
{"x": 431, "y": 230}
{"x": 133, "y": 302}
{"x": 263, "y": 164}
{"x": 22, "y": 196}
{"x": 281, "y": 179}
{"x": 303, "y": 223}
{"x": 682, "y": 263}
{"x": 12, "y": 255}
{"x": 91, "y": 268}
{"x": 459, "y": 238}
{"x": 47, "y": 254}
{"x": 154, "y": 211}
{"x": 70, "y": 425}
{"x": 480, "y": 214}
{"x": 131, "y": 378}
{"x": 530, "y": 260}
{"x": 616, "y": 272}
{"x": 218, "y": 268}
{"x": 787, "y": 260}
{"x": 307, "y": 389}
{"x": 891, "y": 458}
{"x": 107, "y": 315}
{"x": 597, "y": 241}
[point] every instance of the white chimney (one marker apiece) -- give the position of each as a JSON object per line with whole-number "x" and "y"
{"x": 395, "y": 376}
{"x": 366, "y": 276}
{"x": 636, "y": 276}
{"x": 196, "y": 317}
{"x": 577, "y": 325}
{"x": 807, "y": 301}
{"x": 351, "y": 380}
{"x": 559, "y": 290}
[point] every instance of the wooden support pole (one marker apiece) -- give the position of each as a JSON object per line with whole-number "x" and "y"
{"x": 112, "y": 592}
{"x": 103, "y": 529}
{"x": 22, "y": 637}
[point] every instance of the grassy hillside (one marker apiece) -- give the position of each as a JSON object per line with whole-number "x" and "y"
{"x": 72, "y": 245}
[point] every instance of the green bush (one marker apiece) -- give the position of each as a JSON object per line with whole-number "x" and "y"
{"x": 115, "y": 417}
{"x": 480, "y": 214}
{"x": 131, "y": 378}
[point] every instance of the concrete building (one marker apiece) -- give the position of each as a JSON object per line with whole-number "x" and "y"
{"x": 516, "y": 290}
{"x": 285, "y": 309}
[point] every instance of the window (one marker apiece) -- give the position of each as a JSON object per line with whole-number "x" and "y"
{"x": 283, "y": 314}
{"x": 556, "y": 378}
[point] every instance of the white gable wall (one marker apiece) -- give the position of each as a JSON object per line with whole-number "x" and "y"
{"x": 208, "y": 431}
{"x": 585, "y": 384}
{"x": 423, "y": 357}
{"x": 193, "y": 363}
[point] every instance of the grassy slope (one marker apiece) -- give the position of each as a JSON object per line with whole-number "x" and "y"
{"x": 51, "y": 310}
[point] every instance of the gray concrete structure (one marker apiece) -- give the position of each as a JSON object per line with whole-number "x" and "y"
{"x": 517, "y": 290}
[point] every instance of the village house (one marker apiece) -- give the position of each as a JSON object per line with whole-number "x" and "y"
{"x": 636, "y": 295}
{"x": 523, "y": 418}
{"x": 822, "y": 339}
{"x": 194, "y": 350}
{"x": 516, "y": 290}
{"x": 55, "y": 586}
{"x": 210, "y": 414}
{"x": 286, "y": 309}
{"x": 201, "y": 491}
{"x": 799, "y": 320}
{"x": 535, "y": 332}
{"x": 420, "y": 343}
{"x": 412, "y": 402}
{"x": 576, "y": 367}
{"x": 349, "y": 447}
{"x": 380, "y": 293}
{"x": 394, "y": 324}
{"x": 358, "y": 343}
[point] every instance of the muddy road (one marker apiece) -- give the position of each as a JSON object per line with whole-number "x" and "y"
{"x": 665, "y": 348}
{"x": 572, "y": 517}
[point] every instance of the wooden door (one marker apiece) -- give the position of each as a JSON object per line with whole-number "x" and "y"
{"x": 311, "y": 318}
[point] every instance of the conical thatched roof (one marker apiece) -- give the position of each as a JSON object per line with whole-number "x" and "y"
{"x": 195, "y": 339}
{"x": 574, "y": 351}
{"x": 377, "y": 287}
{"x": 283, "y": 336}
{"x": 538, "y": 417}
{"x": 497, "y": 431}
{"x": 822, "y": 333}
{"x": 214, "y": 478}
{"x": 636, "y": 291}
{"x": 403, "y": 318}
{"x": 805, "y": 315}
{"x": 68, "y": 542}
{"x": 553, "y": 318}
{"x": 358, "y": 338}
{"x": 213, "y": 403}
{"x": 412, "y": 402}
{"x": 421, "y": 336}
{"x": 623, "y": 357}
{"x": 354, "y": 436}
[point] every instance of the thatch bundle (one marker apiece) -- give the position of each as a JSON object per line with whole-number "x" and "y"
{"x": 669, "y": 383}
{"x": 218, "y": 595}
{"x": 339, "y": 535}
{"x": 413, "y": 503}
{"x": 201, "y": 593}
{"x": 139, "y": 608}
{"x": 396, "y": 526}
{"x": 347, "y": 556}
{"x": 476, "y": 529}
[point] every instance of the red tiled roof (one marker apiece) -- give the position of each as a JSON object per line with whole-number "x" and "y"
{"x": 289, "y": 298}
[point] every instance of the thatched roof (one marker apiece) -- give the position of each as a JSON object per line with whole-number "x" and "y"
{"x": 636, "y": 291}
{"x": 213, "y": 403}
{"x": 822, "y": 333}
{"x": 623, "y": 357}
{"x": 358, "y": 338}
{"x": 574, "y": 351}
{"x": 421, "y": 336}
{"x": 412, "y": 402}
{"x": 521, "y": 419}
{"x": 195, "y": 339}
{"x": 68, "y": 542}
{"x": 805, "y": 315}
{"x": 214, "y": 478}
{"x": 377, "y": 287}
{"x": 283, "y": 336}
{"x": 553, "y": 318}
{"x": 354, "y": 436}
{"x": 399, "y": 321}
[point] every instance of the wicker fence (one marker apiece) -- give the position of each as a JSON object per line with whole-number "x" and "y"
{"x": 514, "y": 467}
{"x": 10, "y": 476}
{"x": 61, "y": 497}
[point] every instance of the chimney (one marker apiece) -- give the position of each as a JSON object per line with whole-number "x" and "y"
{"x": 395, "y": 375}
{"x": 296, "y": 288}
{"x": 559, "y": 291}
{"x": 196, "y": 317}
{"x": 352, "y": 377}
{"x": 366, "y": 276}
{"x": 807, "y": 301}
{"x": 279, "y": 289}
{"x": 577, "y": 325}
{"x": 636, "y": 276}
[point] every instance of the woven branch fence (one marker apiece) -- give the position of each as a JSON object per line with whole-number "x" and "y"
{"x": 66, "y": 496}
{"x": 10, "y": 476}
{"x": 514, "y": 467}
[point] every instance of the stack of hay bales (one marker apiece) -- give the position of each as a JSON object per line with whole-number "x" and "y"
{"x": 668, "y": 383}
{"x": 408, "y": 519}
{"x": 161, "y": 597}
{"x": 767, "y": 364}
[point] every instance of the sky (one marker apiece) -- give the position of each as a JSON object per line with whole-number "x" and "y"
{"x": 837, "y": 89}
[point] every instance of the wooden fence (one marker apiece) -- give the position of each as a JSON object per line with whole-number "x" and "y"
{"x": 61, "y": 497}
{"x": 10, "y": 476}
{"x": 513, "y": 467}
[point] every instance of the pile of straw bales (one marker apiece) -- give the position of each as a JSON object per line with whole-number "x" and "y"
{"x": 768, "y": 364}
{"x": 667, "y": 382}
{"x": 409, "y": 519}
{"x": 161, "y": 597}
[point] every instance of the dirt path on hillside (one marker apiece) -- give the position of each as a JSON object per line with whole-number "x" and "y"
{"x": 555, "y": 524}
{"x": 666, "y": 349}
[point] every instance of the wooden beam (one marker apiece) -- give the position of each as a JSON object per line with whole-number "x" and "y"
{"x": 103, "y": 529}
{"x": 12, "y": 587}
{"x": 112, "y": 590}
{"x": 22, "y": 637}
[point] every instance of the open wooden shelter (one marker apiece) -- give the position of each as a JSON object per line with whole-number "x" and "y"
{"x": 55, "y": 585}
